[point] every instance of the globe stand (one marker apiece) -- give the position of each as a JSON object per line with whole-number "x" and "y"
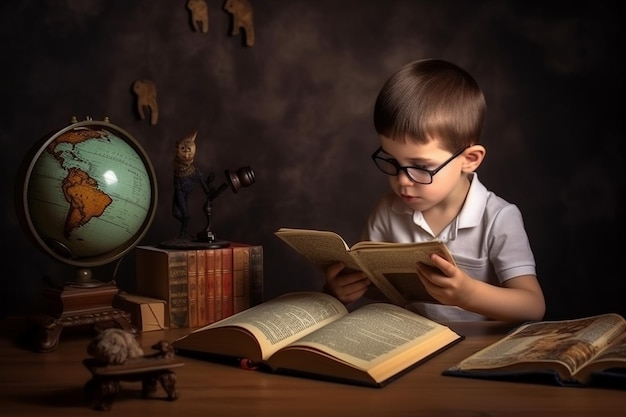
{"x": 71, "y": 195}
{"x": 84, "y": 301}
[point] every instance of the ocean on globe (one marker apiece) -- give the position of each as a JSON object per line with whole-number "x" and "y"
{"x": 89, "y": 193}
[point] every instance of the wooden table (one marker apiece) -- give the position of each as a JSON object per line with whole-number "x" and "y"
{"x": 51, "y": 384}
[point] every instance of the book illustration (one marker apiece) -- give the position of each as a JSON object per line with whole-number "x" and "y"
{"x": 571, "y": 349}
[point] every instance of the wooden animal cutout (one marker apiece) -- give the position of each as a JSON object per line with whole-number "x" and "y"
{"x": 242, "y": 18}
{"x": 146, "y": 100}
{"x": 199, "y": 15}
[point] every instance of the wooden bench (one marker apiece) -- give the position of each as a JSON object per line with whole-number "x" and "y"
{"x": 106, "y": 380}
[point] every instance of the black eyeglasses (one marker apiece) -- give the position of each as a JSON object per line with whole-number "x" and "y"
{"x": 416, "y": 174}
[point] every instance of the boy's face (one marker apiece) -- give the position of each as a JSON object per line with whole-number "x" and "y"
{"x": 448, "y": 186}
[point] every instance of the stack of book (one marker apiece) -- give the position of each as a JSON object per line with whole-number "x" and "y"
{"x": 201, "y": 286}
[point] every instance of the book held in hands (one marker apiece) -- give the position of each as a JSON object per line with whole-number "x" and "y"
{"x": 312, "y": 334}
{"x": 577, "y": 352}
{"x": 390, "y": 266}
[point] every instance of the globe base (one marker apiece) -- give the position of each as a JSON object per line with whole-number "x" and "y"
{"x": 70, "y": 307}
{"x": 84, "y": 279}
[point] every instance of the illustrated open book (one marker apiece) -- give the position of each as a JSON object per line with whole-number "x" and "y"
{"x": 312, "y": 334}
{"x": 390, "y": 266}
{"x": 574, "y": 352}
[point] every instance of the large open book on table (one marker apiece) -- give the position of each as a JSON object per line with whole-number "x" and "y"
{"x": 390, "y": 266}
{"x": 312, "y": 334}
{"x": 570, "y": 352}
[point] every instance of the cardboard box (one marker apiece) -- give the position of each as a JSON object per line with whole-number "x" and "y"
{"x": 146, "y": 314}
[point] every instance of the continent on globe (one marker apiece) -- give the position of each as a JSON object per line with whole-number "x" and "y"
{"x": 73, "y": 137}
{"x": 85, "y": 198}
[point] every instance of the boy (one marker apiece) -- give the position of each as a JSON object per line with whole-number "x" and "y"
{"x": 429, "y": 117}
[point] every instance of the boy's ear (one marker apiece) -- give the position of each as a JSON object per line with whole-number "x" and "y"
{"x": 474, "y": 156}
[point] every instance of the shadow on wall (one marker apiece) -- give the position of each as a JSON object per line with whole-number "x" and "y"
{"x": 296, "y": 106}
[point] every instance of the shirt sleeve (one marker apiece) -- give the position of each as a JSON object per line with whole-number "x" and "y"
{"x": 509, "y": 248}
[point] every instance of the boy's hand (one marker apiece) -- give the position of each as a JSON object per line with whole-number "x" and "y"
{"x": 347, "y": 286}
{"x": 446, "y": 283}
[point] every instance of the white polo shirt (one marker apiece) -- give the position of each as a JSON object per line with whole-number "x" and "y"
{"x": 487, "y": 240}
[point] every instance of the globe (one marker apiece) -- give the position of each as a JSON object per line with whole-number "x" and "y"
{"x": 89, "y": 194}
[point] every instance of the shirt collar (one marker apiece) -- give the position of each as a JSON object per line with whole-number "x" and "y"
{"x": 469, "y": 216}
{"x": 475, "y": 203}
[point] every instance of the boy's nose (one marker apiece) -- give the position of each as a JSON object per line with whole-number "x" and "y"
{"x": 404, "y": 179}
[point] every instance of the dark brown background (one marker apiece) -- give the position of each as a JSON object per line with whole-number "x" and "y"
{"x": 297, "y": 108}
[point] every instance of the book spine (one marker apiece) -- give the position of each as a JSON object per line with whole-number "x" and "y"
{"x": 247, "y": 276}
{"x": 178, "y": 289}
{"x": 241, "y": 265}
{"x": 218, "y": 284}
{"x": 192, "y": 287}
{"x": 227, "y": 282}
{"x": 162, "y": 274}
{"x": 201, "y": 262}
{"x": 210, "y": 285}
{"x": 256, "y": 275}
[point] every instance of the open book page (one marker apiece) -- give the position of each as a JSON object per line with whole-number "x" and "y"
{"x": 393, "y": 268}
{"x": 390, "y": 266}
{"x": 567, "y": 345}
{"x": 613, "y": 356}
{"x": 379, "y": 338}
{"x": 322, "y": 248}
{"x": 274, "y": 324}
{"x": 616, "y": 352}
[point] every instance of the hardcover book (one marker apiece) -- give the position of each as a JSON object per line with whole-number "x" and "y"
{"x": 241, "y": 274}
{"x": 192, "y": 287}
{"x": 575, "y": 352}
{"x": 247, "y": 275}
{"x": 254, "y": 286}
{"x": 199, "y": 285}
{"x": 312, "y": 334}
{"x": 163, "y": 274}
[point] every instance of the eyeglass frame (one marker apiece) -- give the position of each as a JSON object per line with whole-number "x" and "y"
{"x": 405, "y": 169}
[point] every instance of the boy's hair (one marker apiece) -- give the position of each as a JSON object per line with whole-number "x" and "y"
{"x": 431, "y": 99}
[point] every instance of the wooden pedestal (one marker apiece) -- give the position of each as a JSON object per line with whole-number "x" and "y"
{"x": 72, "y": 306}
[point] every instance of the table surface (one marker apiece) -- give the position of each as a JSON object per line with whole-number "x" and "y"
{"x": 51, "y": 384}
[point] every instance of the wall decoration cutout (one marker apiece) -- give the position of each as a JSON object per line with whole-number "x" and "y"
{"x": 242, "y": 18}
{"x": 199, "y": 15}
{"x": 146, "y": 100}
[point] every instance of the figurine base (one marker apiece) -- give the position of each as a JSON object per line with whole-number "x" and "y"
{"x": 106, "y": 380}
{"x": 185, "y": 244}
